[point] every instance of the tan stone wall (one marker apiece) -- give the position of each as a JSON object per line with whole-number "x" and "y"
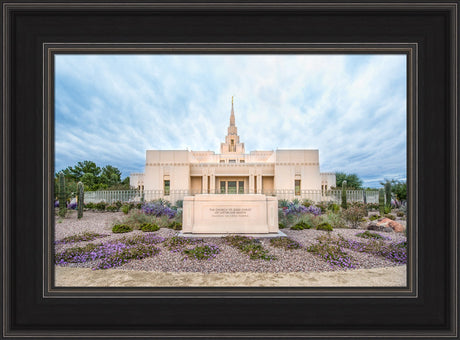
{"x": 268, "y": 184}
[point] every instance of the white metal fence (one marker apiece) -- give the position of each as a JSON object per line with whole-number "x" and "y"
{"x": 111, "y": 196}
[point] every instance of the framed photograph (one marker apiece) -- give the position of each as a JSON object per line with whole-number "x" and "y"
{"x": 193, "y": 122}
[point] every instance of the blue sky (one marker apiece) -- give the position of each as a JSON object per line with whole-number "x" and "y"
{"x": 111, "y": 108}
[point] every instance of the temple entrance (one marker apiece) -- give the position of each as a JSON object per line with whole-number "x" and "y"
{"x": 232, "y": 186}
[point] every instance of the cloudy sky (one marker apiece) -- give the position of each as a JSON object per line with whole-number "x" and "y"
{"x": 111, "y": 108}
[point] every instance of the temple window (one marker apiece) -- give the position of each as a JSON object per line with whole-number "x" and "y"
{"x": 166, "y": 187}
{"x": 297, "y": 187}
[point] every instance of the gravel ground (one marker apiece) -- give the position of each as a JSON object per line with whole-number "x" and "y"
{"x": 230, "y": 259}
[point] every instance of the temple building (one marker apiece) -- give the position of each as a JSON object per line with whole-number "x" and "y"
{"x": 282, "y": 173}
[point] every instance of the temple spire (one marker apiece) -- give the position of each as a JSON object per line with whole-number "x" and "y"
{"x": 232, "y": 140}
{"x": 232, "y": 116}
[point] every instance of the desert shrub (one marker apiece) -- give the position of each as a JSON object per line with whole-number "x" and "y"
{"x": 111, "y": 208}
{"x": 125, "y": 208}
{"x": 249, "y": 246}
{"x": 283, "y": 203}
{"x": 399, "y": 214}
{"x": 333, "y": 207}
{"x": 374, "y": 217}
{"x": 175, "y": 225}
{"x": 372, "y": 206}
{"x": 149, "y": 227}
{"x": 390, "y": 216}
{"x": 324, "y": 226}
{"x": 100, "y": 206}
{"x": 90, "y": 206}
{"x": 353, "y": 215}
{"x": 387, "y": 209}
{"x": 136, "y": 218}
{"x": 334, "y": 219}
{"x": 306, "y": 202}
{"x": 202, "y": 252}
{"x": 369, "y": 234}
{"x": 121, "y": 228}
{"x": 301, "y": 226}
{"x": 285, "y": 242}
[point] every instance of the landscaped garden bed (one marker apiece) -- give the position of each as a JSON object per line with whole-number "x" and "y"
{"x": 90, "y": 242}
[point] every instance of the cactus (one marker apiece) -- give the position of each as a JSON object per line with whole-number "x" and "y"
{"x": 80, "y": 199}
{"x": 381, "y": 202}
{"x": 388, "y": 196}
{"x": 62, "y": 196}
{"x": 365, "y": 201}
{"x": 344, "y": 195}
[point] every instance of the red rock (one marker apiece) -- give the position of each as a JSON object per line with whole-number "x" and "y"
{"x": 386, "y": 222}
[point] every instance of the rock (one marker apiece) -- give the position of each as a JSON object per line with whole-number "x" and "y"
{"x": 388, "y": 230}
{"x": 372, "y": 226}
{"x": 388, "y": 223}
{"x": 397, "y": 227}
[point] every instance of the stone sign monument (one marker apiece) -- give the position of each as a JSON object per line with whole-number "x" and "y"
{"x": 230, "y": 214}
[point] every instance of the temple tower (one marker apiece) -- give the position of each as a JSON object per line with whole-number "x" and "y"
{"x": 232, "y": 143}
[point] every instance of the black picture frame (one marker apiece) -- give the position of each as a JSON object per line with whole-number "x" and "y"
{"x": 426, "y": 308}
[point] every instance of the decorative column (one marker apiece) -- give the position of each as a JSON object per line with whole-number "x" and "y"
{"x": 251, "y": 183}
{"x": 213, "y": 184}
{"x": 204, "y": 184}
{"x": 259, "y": 183}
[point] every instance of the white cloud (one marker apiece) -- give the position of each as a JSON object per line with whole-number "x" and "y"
{"x": 352, "y": 108}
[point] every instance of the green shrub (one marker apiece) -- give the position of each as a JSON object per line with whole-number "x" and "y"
{"x": 111, "y": 208}
{"x": 90, "y": 206}
{"x": 177, "y": 243}
{"x": 333, "y": 207}
{"x": 334, "y": 219}
{"x": 100, "y": 206}
{"x": 139, "y": 205}
{"x": 179, "y": 203}
{"x": 324, "y": 226}
{"x": 121, "y": 228}
{"x": 135, "y": 218}
{"x": 399, "y": 214}
{"x": 149, "y": 227}
{"x": 118, "y": 204}
{"x": 250, "y": 246}
{"x": 390, "y": 216}
{"x": 387, "y": 210}
{"x": 374, "y": 217}
{"x": 204, "y": 252}
{"x": 281, "y": 225}
{"x": 175, "y": 225}
{"x": 301, "y": 226}
{"x": 307, "y": 203}
{"x": 368, "y": 234}
{"x": 125, "y": 208}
